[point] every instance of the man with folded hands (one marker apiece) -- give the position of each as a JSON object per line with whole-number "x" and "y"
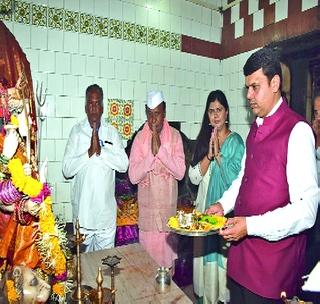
{"x": 156, "y": 163}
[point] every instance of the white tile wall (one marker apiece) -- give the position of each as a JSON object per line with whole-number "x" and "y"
{"x": 39, "y": 38}
{"x": 101, "y": 7}
{"x": 62, "y": 192}
{"x": 55, "y": 3}
{"x": 86, "y": 44}
{"x": 55, "y": 40}
{"x": 281, "y": 10}
{"x": 62, "y": 63}
{"x": 235, "y": 13}
{"x": 71, "y": 42}
{"x": 128, "y": 53}
{"x": 176, "y": 23}
{"x": 115, "y": 48}
{"x": 127, "y": 90}
{"x": 153, "y": 55}
{"x": 63, "y": 108}
{"x": 253, "y": 6}
{"x": 215, "y": 34}
{"x": 22, "y": 34}
{"x": 307, "y": 4}
{"x": 142, "y": 15}
{"x": 258, "y": 20}
{"x": 100, "y": 47}
{"x": 239, "y": 28}
{"x": 60, "y": 146}
{"x": 164, "y": 59}
{"x": 72, "y": 5}
{"x": 217, "y": 19}
{"x": 206, "y": 16}
{"x": 153, "y": 18}
{"x": 47, "y": 61}
{"x": 114, "y": 88}
{"x": 115, "y": 9}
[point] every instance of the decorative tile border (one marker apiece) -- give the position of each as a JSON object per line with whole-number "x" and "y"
{"x": 22, "y": 11}
{"x": 39, "y": 15}
{"x": 5, "y": 9}
{"x": 55, "y": 18}
{"x": 62, "y": 19}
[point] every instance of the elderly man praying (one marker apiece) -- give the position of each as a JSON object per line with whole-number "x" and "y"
{"x": 156, "y": 163}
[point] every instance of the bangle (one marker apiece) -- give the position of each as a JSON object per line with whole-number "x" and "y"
{"x": 210, "y": 159}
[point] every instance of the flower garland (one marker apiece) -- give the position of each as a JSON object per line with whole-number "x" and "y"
{"x": 50, "y": 239}
{"x": 13, "y": 296}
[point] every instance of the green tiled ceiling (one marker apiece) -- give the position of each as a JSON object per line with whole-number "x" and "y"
{"x": 62, "y": 19}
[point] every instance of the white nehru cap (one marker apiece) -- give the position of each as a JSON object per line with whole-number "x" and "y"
{"x": 154, "y": 98}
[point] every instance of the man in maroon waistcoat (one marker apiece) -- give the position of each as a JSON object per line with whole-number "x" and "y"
{"x": 275, "y": 197}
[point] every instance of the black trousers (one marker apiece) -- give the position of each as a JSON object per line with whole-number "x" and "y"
{"x": 241, "y": 295}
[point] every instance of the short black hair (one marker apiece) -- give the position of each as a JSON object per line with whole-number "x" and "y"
{"x": 267, "y": 59}
{"x": 94, "y": 87}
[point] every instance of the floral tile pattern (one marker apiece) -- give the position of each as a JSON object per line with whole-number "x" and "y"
{"x": 22, "y": 12}
{"x": 120, "y": 115}
{"x": 175, "y": 41}
{"x": 55, "y": 18}
{"x": 115, "y": 28}
{"x": 129, "y": 31}
{"x": 71, "y": 21}
{"x": 153, "y": 36}
{"x": 62, "y": 19}
{"x": 39, "y": 15}
{"x": 6, "y": 10}
{"x": 86, "y": 23}
{"x": 141, "y": 33}
{"x": 164, "y": 39}
{"x": 101, "y": 26}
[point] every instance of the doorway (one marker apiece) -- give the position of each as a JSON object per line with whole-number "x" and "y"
{"x": 301, "y": 56}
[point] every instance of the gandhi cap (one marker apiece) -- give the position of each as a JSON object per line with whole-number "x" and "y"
{"x": 154, "y": 98}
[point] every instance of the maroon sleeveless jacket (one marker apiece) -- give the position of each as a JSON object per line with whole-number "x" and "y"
{"x": 264, "y": 267}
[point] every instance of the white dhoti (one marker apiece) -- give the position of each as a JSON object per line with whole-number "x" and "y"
{"x": 98, "y": 239}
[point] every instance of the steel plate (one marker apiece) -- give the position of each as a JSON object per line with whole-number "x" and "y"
{"x": 194, "y": 232}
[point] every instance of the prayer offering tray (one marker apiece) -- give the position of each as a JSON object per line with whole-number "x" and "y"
{"x": 195, "y": 223}
{"x": 188, "y": 232}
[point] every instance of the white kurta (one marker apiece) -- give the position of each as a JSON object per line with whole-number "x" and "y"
{"x": 198, "y": 268}
{"x": 93, "y": 193}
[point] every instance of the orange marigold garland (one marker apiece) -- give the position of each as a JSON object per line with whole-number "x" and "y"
{"x": 13, "y": 296}
{"x": 51, "y": 240}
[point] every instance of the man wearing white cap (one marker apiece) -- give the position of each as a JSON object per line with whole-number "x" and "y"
{"x": 156, "y": 163}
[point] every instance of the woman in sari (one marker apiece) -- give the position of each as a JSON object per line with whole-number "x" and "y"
{"x": 216, "y": 163}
